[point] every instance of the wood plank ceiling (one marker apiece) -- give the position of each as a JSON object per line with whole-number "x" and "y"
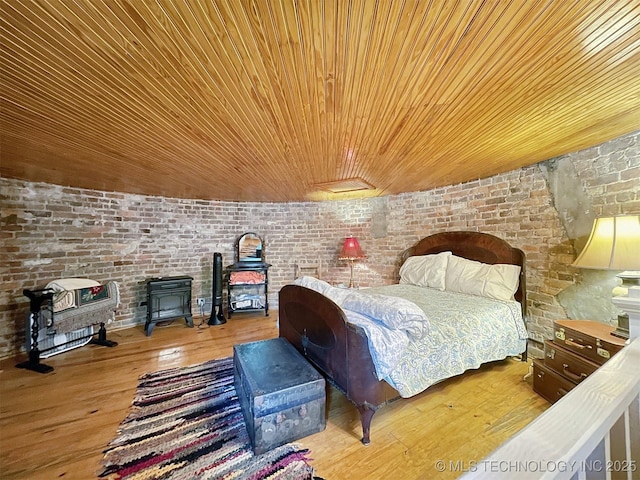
{"x": 276, "y": 100}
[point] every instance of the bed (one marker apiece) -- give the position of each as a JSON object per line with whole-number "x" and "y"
{"x": 333, "y": 327}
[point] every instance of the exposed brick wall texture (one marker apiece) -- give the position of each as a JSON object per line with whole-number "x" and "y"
{"x": 51, "y": 232}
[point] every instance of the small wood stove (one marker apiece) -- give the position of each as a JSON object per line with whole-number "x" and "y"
{"x": 168, "y": 298}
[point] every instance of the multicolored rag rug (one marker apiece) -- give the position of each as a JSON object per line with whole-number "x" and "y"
{"x": 186, "y": 423}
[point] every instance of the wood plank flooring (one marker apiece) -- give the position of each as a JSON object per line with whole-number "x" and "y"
{"x": 56, "y": 425}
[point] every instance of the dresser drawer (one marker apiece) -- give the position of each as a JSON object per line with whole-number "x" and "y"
{"x": 567, "y": 363}
{"x": 548, "y": 384}
{"x": 592, "y": 340}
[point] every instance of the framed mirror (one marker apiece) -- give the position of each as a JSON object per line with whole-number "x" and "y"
{"x": 249, "y": 248}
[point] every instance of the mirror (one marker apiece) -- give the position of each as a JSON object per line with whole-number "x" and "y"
{"x": 249, "y": 248}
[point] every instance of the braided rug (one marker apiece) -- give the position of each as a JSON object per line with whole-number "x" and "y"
{"x": 186, "y": 423}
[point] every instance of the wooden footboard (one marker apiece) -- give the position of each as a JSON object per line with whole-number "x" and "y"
{"x": 317, "y": 327}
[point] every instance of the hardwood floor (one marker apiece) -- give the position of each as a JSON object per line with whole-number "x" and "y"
{"x": 56, "y": 425}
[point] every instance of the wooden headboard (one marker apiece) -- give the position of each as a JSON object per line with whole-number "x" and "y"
{"x": 481, "y": 247}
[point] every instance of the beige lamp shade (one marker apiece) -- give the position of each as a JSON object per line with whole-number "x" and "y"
{"x": 614, "y": 244}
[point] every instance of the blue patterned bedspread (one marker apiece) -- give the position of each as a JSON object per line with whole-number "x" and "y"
{"x": 465, "y": 331}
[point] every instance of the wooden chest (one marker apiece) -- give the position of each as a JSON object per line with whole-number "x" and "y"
{"x": 589, "y": 339}
{"x": 281, "y": 395}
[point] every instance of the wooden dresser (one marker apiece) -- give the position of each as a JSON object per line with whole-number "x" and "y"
{"x": 578, "y": 348}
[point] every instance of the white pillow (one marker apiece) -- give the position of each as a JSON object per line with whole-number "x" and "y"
{"x": 465, "y": 276}
{"x": 502, "y": 281}
{"x": 425, "y": 270}
{"x": 499, "y": 281}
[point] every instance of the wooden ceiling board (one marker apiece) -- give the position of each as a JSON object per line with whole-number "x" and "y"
{"x": 266, "y": 100}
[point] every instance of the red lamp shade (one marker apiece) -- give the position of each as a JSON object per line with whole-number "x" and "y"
{"x": 351, "y": 249}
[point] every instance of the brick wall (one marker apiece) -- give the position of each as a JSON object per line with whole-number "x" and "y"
{"x": 51, "y": 232}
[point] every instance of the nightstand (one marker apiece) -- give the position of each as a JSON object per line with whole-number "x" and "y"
{"x": 578, "y": 348}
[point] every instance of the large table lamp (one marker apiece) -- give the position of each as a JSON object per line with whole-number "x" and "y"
{"x": 351, "y": 252}
{"x": 614, "y": 244}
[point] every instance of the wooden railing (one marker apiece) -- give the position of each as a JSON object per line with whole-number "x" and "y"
{"x": 593, "y": 432}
